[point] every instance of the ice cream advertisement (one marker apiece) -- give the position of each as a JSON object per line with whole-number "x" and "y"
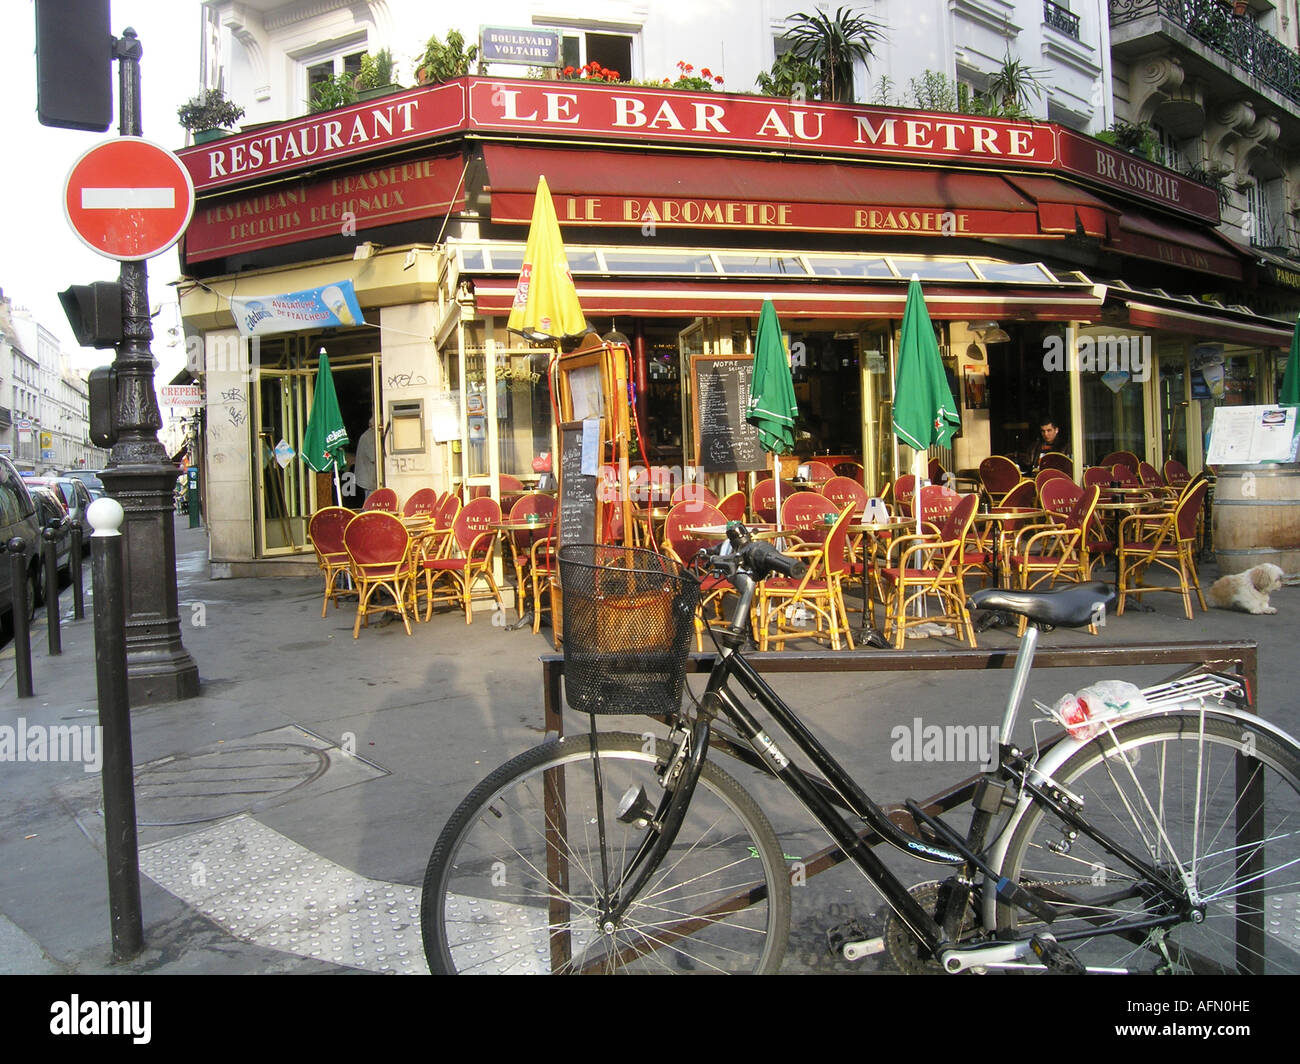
{"x": 332, "y": 306}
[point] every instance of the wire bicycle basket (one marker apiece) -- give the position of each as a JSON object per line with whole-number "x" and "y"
{"x": 629, "y": 615}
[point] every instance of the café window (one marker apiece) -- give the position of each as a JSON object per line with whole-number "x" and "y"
{"x": 323, "y": 69}
{"x": 613, "y": 51}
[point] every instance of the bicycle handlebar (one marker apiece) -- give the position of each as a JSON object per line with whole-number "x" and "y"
{"x": 754, "y": 557}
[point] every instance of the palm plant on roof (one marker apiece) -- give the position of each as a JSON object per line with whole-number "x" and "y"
{"x": 1011, "y": 85}
{"x": 833, "y": 43}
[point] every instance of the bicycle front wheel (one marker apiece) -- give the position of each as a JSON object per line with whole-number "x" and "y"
{"x": 517, "y": 879}
{"x": 1214, "y": 806}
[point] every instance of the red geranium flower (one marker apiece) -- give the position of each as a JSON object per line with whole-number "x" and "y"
{"x": 706, "y": 72}
{"x": 717, "y": 80}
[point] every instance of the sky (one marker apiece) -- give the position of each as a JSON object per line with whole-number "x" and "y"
{"x": 39, "y": 254}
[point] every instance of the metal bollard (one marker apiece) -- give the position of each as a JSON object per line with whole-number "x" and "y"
{"x": 78, "y": 592}
{"x": 53, "y": 639}
{"x": 22, "y": 623}
{"x": 115, "y": 718}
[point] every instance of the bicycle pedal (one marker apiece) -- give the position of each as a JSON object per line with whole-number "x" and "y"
{"x": 1058, "y": 959}
{"x": 850, "y": 941}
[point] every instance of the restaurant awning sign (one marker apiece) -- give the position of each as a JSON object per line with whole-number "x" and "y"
{"x": 331, "y": 306}
{"x": 525, "y": 46}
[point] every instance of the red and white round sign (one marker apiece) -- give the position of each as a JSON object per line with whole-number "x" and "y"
{"x": 128, "y": 198}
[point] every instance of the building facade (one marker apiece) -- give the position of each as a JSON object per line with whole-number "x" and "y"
{"x": 44, "y": 408}
{"x": 1067, "y": 279}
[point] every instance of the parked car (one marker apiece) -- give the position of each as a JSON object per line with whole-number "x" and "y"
{"x": 18, "y": 520}
{"x": 76, "y": 496}
{"x": 89, "y": 477}
{"x": 51, "y": 510}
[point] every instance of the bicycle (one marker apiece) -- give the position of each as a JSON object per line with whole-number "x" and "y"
{"x": 1168, "y": 842}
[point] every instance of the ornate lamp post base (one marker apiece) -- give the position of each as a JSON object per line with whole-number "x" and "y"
{"x": 159, "y": 669}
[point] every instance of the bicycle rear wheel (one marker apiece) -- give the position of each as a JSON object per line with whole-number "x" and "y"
{"x": 1211, "y": 804}
{"x": 515, "y": 881}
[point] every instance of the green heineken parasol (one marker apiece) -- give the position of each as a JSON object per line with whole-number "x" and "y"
{"x": 924, "y": 411}
{"x": 772, "y": 405}
{"x": 325, "y": 438}
{"x": 1290, "y": 393}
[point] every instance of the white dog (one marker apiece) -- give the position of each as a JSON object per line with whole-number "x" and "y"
{"x": 1248, "y": 591}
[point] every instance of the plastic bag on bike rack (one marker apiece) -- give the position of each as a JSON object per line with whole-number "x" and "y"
{"x": 1083, "y": 714}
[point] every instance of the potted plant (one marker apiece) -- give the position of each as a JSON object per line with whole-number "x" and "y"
{"x": 1136, "y": 139}
{"x": 209, "y": 115}
{"x": 338, "y": 91}
{"x": 376, "y": 77}
{"x": 442, "y": 62}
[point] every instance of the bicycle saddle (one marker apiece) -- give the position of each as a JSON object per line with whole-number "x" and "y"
{"x": 1064, "y": 607}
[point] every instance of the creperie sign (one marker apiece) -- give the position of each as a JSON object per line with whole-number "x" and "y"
{"x": 647, "y": 117}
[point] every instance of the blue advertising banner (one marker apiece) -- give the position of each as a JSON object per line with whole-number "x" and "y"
{"x": 331, "y": 306}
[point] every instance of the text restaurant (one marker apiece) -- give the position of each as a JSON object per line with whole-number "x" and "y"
{"x": 1067, "y": 281}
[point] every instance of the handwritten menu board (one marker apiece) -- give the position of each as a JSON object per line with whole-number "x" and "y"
{"x": 577, "y": 490}
{"x": 724, "y": 441}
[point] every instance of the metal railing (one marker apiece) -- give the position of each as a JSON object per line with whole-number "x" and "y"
{"x": 1236, "y": 38}
{"x": 1061, "y": 18}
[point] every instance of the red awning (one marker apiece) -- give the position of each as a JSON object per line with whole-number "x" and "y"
{"x": 1067, "y": 209}
{"x": 1146, "y": 236}
{"x": 1204, "y": 324}
{"x": 651, "y": 298}
{"x": 630, "y": 189}
{"x": 289, "y": 212}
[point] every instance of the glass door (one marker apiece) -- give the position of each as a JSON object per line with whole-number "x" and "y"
{"x": 283, "y": 487}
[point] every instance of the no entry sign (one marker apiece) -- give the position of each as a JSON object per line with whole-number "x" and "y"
{"x": 128, "y": 198}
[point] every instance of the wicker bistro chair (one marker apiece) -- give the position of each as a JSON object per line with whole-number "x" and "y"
{"x": 325, "y": 530}
{"x": 423, "y": 502}
{"x": 682, "y": 547}
{"x": 843, "y": 491}
{"x": 473, "y": 541}
{"x": 1177, "y": 475}
{"x": 930, "y": 564}
{"x": 378, "y": 546}
{"x": 383, "y": 499}
{"x": 539, "y": 509}
{"x": 1127, "y": 459}
{"x": 999, "y": 475}
{"x": 1045, "y": 553}
{"x": 820, "y": 590}
{"x": 1163, "y": 540}
{"x": 903, "y": 491}
{"x": 1062, "y": 463}
{"x": 819, "y": 472}
{"x": 803, "y": 515}
{"x": 763, "y": 501}
{"x": 734, "y": 507}
{"x": 1044, "y": 475}
{"x": 852, "y": 470}
{"x": 696, "y": 492}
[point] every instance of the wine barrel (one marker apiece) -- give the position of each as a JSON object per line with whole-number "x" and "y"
{"x": 1257, "y": 517}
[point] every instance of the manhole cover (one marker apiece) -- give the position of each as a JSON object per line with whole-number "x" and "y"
{"x": 190, "y": 789}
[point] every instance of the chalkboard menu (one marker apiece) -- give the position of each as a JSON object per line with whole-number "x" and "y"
{"x": 577, "y": 491}
{"x": 724, "y": 441}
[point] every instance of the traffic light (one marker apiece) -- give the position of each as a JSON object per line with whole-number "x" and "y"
{"x": 74, "y": 64}
{"x": 95, "y": 313}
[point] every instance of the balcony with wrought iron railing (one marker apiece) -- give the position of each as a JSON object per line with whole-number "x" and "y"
{"x": 1061, "y": 18}
{"x": 1236, "y": 38}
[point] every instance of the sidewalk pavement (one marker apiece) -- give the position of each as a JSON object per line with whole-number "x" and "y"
{"x": 286, "y": 814}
